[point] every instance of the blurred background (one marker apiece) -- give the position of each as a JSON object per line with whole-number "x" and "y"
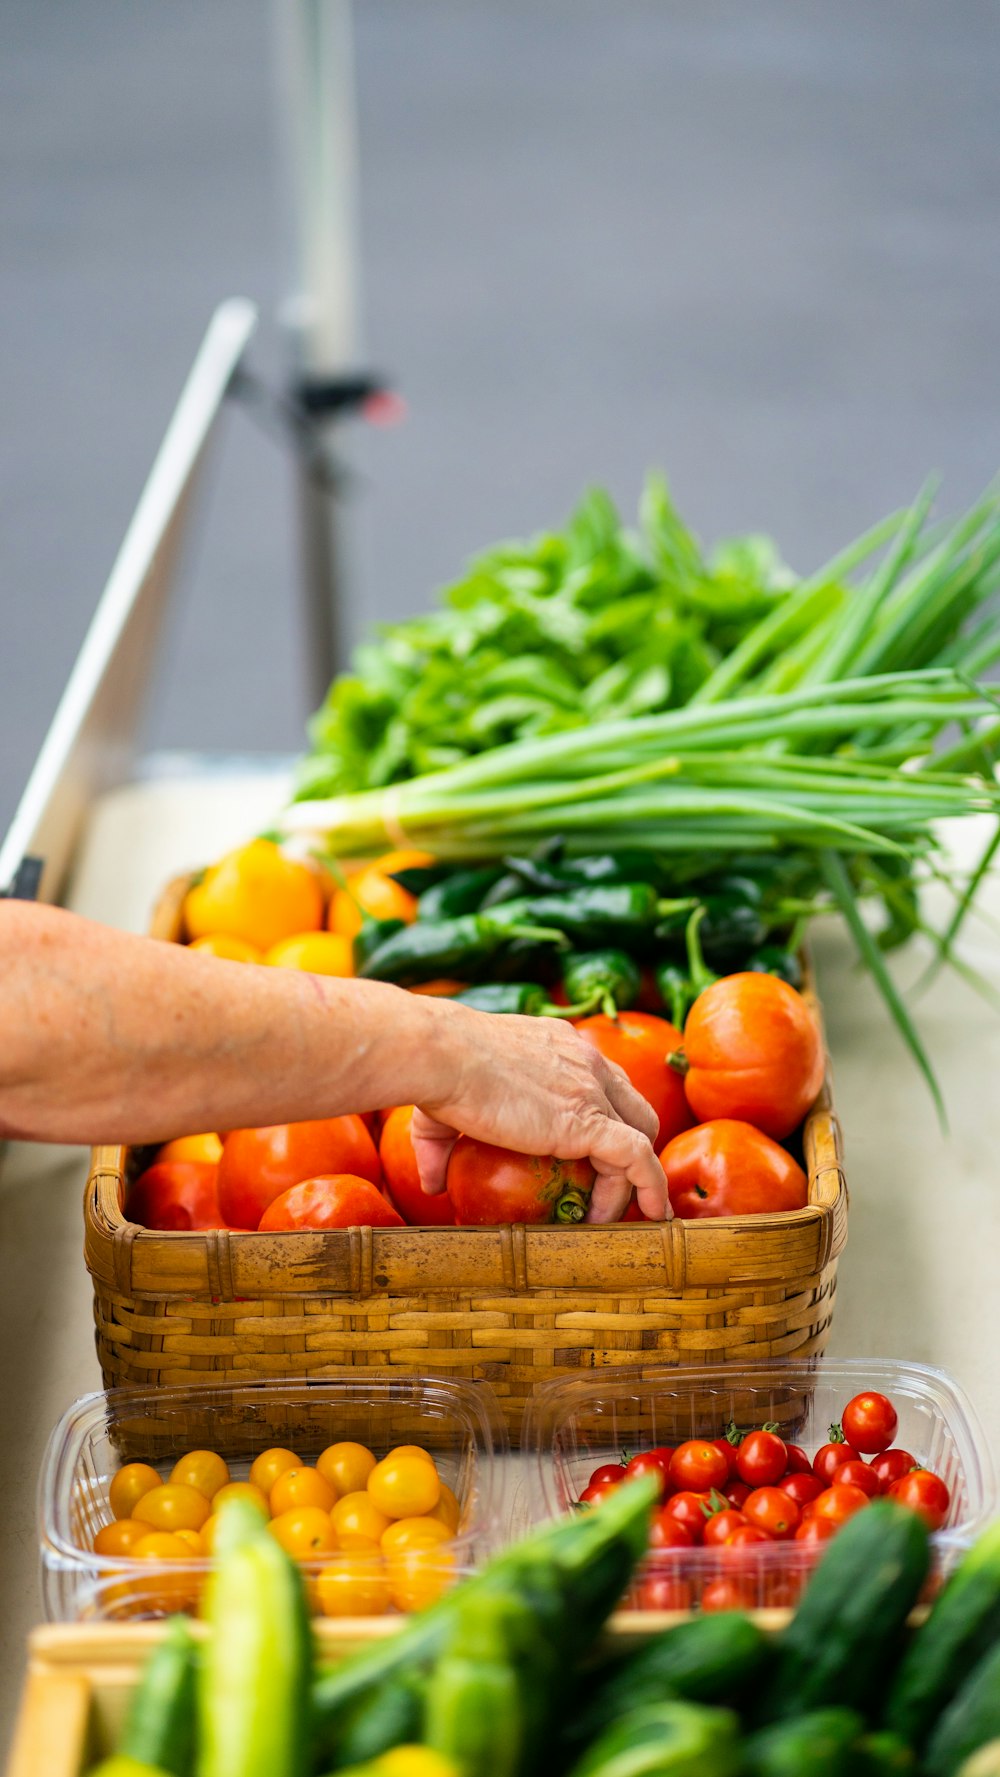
{"x": 756, "y": 245}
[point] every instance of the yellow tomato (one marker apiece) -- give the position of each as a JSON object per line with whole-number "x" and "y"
{"x": 175, "y": 1506}
{"x": 228, "y": 948}
{"x": 318, "y": 953}
{"x": 415, "y": 1761}
{"x": 410, "y": 1450}
{"x": 447, "y": 1511}
{"x": 414, "y": 1533}
{"x": 266, "y": 1467}
{"x": 192, "y": 1539}
{"x": 204, "y": 1148}
{"x": 257, "y": 894}
{"x": 373, "y": 893}
{"x": 301, "y": 1487}
{"x": 175, "y": 1585}
{"x": 346, "y": 1466}
{"x": 240, "y": 1490}
{"x": 417, "y": 1577}
{"x": 208, "y": 1533}
{"x": 404, "y": 1486}
{"x": 358, "y": 1522}
{"x": 305, "y": 1530}
{"x": 202, "y": 1469}
{"x": 119, "y": 1538}
{"x": 129, "y": 1485}
{"x": 350, "y": 1586}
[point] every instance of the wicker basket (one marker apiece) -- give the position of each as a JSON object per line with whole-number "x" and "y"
{"x": 512, "y": 1306}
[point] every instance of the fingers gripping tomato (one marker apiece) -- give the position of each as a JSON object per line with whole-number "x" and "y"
{"x": 257, "y": 1165}
{"x": 752, "y": 1051}
{"x": 728, "y": 1168}
{"x": 490, "y": 1185}
{"x": 640, "y": 1044}
{"x": 399, "y": 1163}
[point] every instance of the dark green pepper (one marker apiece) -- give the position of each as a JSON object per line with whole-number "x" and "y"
{"x": 608, "y": 979}
{"x": 554, "y": 877}
{"x": 373, "y": 933}
{"x": 772, "y": 960}
{"x": 455, "y": 947}
{"x": 620, "y": 913}
{"x": 525, "y": 997}
{"x": 461, "y": 892}
{"x": 676, "y": 991}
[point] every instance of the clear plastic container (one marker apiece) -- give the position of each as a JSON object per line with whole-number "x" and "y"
{"x": 573, "y": 1426}
{"x": 458, "y": 1422}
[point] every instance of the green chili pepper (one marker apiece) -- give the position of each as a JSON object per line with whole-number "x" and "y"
{"x": 772, "y": 960}
{"x": 373, "y": 933}
{"x": 675, "y": 990}
{"x": 549, "y": 877}
{"x": 525, "y": 997}
{"x": 606, "y": 978}
{"x": 449, "y": 947}
{"x": 620, "y": 913}
{"x": 461, "y": 892}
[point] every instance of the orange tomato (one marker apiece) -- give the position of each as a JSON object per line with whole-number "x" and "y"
{"x": 346, "y": 1466}
{"x": 208, "y": 1533}
{"x": 240, "y": 1490}
{"x": 404, "y": 1486}
{"x": 373, "y": 891}
{"x": 259, "y": 1165}
{"x": 193, "y": 1540}
{"x": 318, "y": 953}
{"x": 204, "y": 1148}
{"x": 414, "y": 1533}
{"x": 227, "y": 948}
{"x": 129, "y": 1485}
{"x": 119, "y": 1538}
{"x": 203, "y": 1469}
{"x": 447, "y": 1509}
{"x": 754, "y": 1053}
{"x": 338, "y": 1200}
{"x": 305, "y": 1530}
{"x": 357, "y": 1521}
{"x": 175, "y": 1195}
{"x": 255, "y": 893}
{"x": 265, "y": 1468}
{"x": 301, "y": 1487}
{"x": 727, "y": 1168}
{"x": 350, "y": 1586}
{"x": 440, "y": 990}
{"x": 174, "y": 1506}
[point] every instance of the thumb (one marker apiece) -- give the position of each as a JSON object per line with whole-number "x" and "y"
{"x": 432, "y": 1145}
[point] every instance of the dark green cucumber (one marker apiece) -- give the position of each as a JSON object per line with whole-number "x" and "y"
{"x": 883, "y": 1754}
{"x": 711, "y": 1659}
{"x": 388, "y": 1714}
{"x": 673, "y": 1739}
{"x": 844, "y": 1636}
{"x": 159, "y": 1727}
{"x": 970, "y": 1721}
{"x": 820, "y": 1743}
{"x": 964, "y": 1622}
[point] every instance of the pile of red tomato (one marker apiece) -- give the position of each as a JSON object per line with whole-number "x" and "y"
{"x": 737, "y": 1494}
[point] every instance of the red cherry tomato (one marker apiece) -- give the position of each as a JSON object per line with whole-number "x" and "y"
{"x": 869, "y": 1422}
{"x": 667, "y": 1532}
{"x": 176, "y": 1195}
{"x": 651, "y": 1462}
{"x": 490, "y": 1185}
{"x": 838, "y": 1503}
{"x": 857, "y": 1474}
{"x": 797, "y": 1460}
{"x": 720, "y": 1527}
{"x": 924, "y": 1493}
{"x": 593, "y": 1494}
{"x": 609, "y": 1473}
{"x": 257, "y": 1165}
{"x": 891, "y": 1466}
{"x": 802, "y": 1488}
{"x": 754, "y": 1052}
{"x": 339, "y": 1201}
{"x": 727, "y": 1595}
{"x": 761, "y": 1459}
{"x": 698, "y": 1466}
{"x": 399, "y": 1163}
{"x": 736, "y": 1492}
{"x": 663, "y": 1591}
{"x": 745, "y": 1534}
{"x": 829, "y": 1457}
{"x": 771, "y": 1510}
{"x": 692, "y": 1510}
{"x": 815, "y": 1530}
{"x": 728, "y": 1452}
{"x": 640, "y": 1044}
{"x": 727, "y": 1168}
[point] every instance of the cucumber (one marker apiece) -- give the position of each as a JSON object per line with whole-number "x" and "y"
{"x": 964, "y": 1622}
{"x": 821, "y": 1743}
{"x": 475, "y": 1713}
{"x": 673, "y": 1739}
{"x": 711, "y": 1659}
{"x": 971, "y": 1719}
{"x": 844, "y": 1635}
{"x": 159, "y": 1727}
{"x": 389, "y": 1714}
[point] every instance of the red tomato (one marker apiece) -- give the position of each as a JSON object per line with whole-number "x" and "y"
{"x": 829, "y": 1457}
{"x": 490, "y": 1185}
{"x": 337, "y": 1201}
{"x": 609, "y": 1473}
{"x": 257, "y": 1165}
{"x": 754, "y": 1052}
{"x": 924, "y": 1493}
{"x": 870, "y": 1422}
{"x": 745, "y": 1534}
{"x": 728, "y": 1452}
{"x": 690, "y": 1509}
{"x": 640, "y": 1044}
{"x": 633, "y": 1212}
{"x": 839, "y": 1502}
{"x": 761, "y": 1459}
{"x": 803, "y": 1488}
{"x": 736, "y": 1492}
{"x": 662, "y": 1591}
{"x": 797, "y": 1460}
{"x": 730, "y": 1169}
{"x": 651, "y": 1462}
{"x": 720, "y": 1527}
{"x": 857, "y": 1474}
{"x": 176, "y": 1194}
{"x": 698, "y": 1466}
{"x": 399, "y": 1163}
{"x": 771, "y": 1510}
{"x": 667, "y": 1532}
{"x": 597, "y": 1490}
{"x": 815, "y": 1530}
{"x": 891, "y": 1466}
{"x": 727, "y": 1594}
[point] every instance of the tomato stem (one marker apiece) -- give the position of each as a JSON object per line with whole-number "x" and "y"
{"x": 572, "y": 1206}
{"x": 837, "y": 1435}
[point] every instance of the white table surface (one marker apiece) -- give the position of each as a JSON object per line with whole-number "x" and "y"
{"x": 919, "y": 1279}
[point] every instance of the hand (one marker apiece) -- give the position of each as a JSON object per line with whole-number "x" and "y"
{"x": 533, "y": 1085}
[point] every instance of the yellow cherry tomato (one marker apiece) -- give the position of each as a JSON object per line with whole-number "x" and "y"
{"x": 418, "y": 1577}
{"x": 202, "y": 1469}
{"x": 175, "y": 1506}
{"x": 255, "y": 893}
{"x": 193, "y": 1540}
{"x": 350, "y": 1586}
{"x": 404, "y": 1486}
{"x": 414, "y": 1533}
{"x": 410, "y": 1450}
{"x": 208, "y": 1533}
{"x": 447, "y": 1510}
{"x": 207, "y": 1149}
{"x": 240, "y": 1490}
{"x": 358, "y": 1522}
{"x": 129, "y": 1485}
{"x": 174, "y": 1586}
{"x": 372, "y": 891}
{"x": 301, "y": 1487}
{"x": 318, "y": 953}
{"x": 305, "y": 1530}
{"x": 119, "y": 1538}
{"x": 227, "y": 948}
{"x": 265, "y": 1468}
{"x": 415, "y": 1761}
{"x": 346, "y": 1466}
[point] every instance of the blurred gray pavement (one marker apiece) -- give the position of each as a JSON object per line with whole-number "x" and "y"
{"x": 756, "y": 244}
